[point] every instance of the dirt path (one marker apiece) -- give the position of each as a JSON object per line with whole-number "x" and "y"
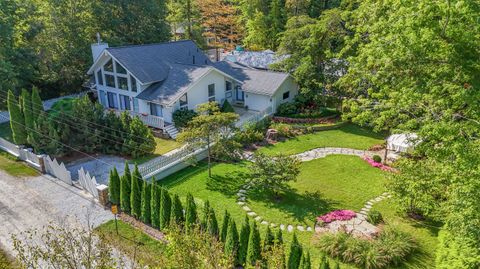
{"x": 27, "y": 203}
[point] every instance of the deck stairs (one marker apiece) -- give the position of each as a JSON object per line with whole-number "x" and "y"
{"x": 171, "y": 130}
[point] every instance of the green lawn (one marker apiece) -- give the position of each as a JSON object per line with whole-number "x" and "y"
{"x": 163, "y": 146}
{"x": 147, "y": 252}
{"x": 326, "y": 184}
{"x": 16, "y": 168}
{"x": 347, "y": 136}
{"x": 220, "y": 190}
{"x": 5, "y": 131}
{"x": 425, "y": 234}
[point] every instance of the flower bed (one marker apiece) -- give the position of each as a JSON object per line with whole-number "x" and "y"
{"x": 378, "y": 165}
{"x": 328, "y": 119}
{"x": 337, "y": 215}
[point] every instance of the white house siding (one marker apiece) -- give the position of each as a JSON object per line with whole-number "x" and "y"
{"x": 288, "y": 85}
{"x": 198, "y": 93}
{"x": 257, "y": 102}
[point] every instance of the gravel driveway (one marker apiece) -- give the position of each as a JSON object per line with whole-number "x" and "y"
{"x": 27, "y": 203}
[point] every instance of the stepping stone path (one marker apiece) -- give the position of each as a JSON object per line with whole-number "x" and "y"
{"x": 358, "y": 225}
{"x": 323, "y": 152}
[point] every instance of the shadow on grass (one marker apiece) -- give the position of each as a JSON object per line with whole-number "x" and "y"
{"x": 361, "y": 131}
{"x": 183, "y": 175}
{"x": 226, "y": 184}
{"x": 302, "y": 207}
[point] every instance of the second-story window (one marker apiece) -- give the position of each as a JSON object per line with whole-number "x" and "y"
{"x": 108, "y": 66}
{"x": 99, "y": 77}
{"x": 133, "y": 84}
{"x": 120, "y": 69}
{"x": 122, "y": 83}
{"x": 109, "y": 80}
{"x": 211, "y": 93}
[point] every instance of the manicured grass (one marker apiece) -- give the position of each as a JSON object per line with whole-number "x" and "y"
{"x": 220, "y": 190}
{"x": 5, "y": 131}
{"x": 326, "y": 184}
{"x": 147, "y": 252}
{"x": 163, "y": 146}
{"x": 347, "y": 136}
{"x": 425, "y": 234}
{"x": 16, "y": 168}
{"x": 63, "y": 105}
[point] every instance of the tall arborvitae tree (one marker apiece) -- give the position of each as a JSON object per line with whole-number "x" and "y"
{"x": 279, "y": 237}
{"x": 268, "y": 240}
{"x": 205, "y": 215}
{"x": 226, "y": 221}
{"x": 295, "y": 253}
{"x": 146, "y": 198}
{"x": 114, "y": 186}
{"x": 307, "y": 264}
{"x": 17, "y": 121}
{"x": 125, "y": 189}
{"x": 254, "y": 251}
{"x": 244, "y": 235}
{"x": 40, "y": 139}
{"x": 190, "y": 212}
{"x": 136, "y": 195}
{"x": 177, "y": 210}
{"x": 324, "y": 264}
{"x": 37, "y": 104}
{"x": 155, "y": 203}
{"x": 165, "y": 209}
{"x": 27, "y": 110}
{"x": 212, "y": 224}
{"x": 232, "y": 243}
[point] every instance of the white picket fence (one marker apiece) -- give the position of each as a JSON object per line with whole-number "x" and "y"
{"x": 23, "y": 154}
{"x": 53, "y": 168}
{"x": 88, "y": 182}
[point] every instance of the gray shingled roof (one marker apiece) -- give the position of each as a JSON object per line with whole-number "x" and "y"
{"x": 150, "y": 63}
{"x": 254, "y": 80}
{"x": 179, "y": 77}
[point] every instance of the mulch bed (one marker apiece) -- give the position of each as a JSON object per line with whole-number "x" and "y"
{"x": 150, "y": 231}
{"x": 323, "y": 120}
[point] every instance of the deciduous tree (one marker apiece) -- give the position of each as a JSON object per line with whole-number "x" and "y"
{"x": 211, "y": 126}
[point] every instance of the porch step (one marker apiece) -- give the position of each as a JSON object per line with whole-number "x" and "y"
{"x": 172, "y": 131}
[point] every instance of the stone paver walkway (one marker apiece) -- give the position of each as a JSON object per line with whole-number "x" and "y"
{"x": 357, "y": 225}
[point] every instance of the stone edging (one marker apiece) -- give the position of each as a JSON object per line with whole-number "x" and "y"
{"x": 308, "y": 156}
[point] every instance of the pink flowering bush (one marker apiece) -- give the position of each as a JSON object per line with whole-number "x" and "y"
{"x": 378, "y": 165}
{"x": 337, "y": 215}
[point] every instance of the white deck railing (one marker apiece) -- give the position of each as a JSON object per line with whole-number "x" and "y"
{"x": 150, "y": 120}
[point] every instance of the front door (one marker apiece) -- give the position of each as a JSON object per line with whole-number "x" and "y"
{"x": 240, "y": 95}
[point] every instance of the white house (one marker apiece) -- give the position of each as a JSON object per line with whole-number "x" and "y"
{"x": 153, "y": 80}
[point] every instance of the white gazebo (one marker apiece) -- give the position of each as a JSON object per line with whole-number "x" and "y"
{"x": 402, "y": 142}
